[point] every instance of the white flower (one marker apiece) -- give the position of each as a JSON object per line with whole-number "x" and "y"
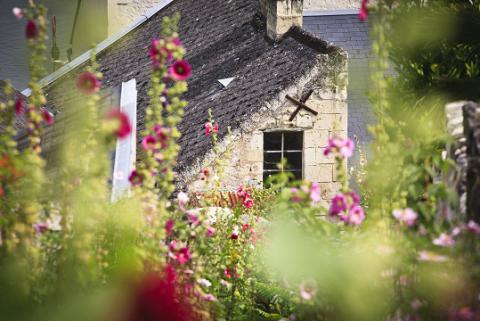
{"x": 182, "y": 199}
{"x": 17, "y": 12}
{"x": 53, "y": 223}
{"x": 204, "y": 282}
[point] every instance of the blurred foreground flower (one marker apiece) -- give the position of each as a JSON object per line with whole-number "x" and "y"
{"x": 88, "y": 83}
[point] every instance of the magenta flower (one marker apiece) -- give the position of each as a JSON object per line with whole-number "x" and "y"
{"x": 235, "y": 232}
{"x": 296, "y": 198}
{"x": 347, "y": 147}
{"x": 19, "y": 106}
{"x": 180, "y": 70}
{"x": 135, "y": 178}
{"x": 209, "y": 298}
{"x": 40, "y": 227}
{"x": 208, "y": 128}
{"x": 158, "y": 53}
{"x": 338, "y": 204}
{"x": 149, "y": 142}
{"x": 474, "y": 227}
{"x": 47, "y": 116}
{"x": 211, "y": 231}
{"x": 406, "y": 216}
{"x": 343, "y": 147}
{"x": 17, "y": 12}
{"x": 31, "y": 30}
{"x": 215, "y": 128}
{"x": 315, "y": 193}
{"x": 444, "y": 240}
{"x": 248, "y": 202}
{"x": 363, "y": 11}
{"x": 124, "y": 128}
{"x": 183, "y": 255}
{"x": 88, "y": 83}
{"x": 177, "y": 42}
{"x": 193, "y": 218}
{"x": 169, "y": 227}
{"x": 354, "y": 197}
{"x": 356, "y": 215}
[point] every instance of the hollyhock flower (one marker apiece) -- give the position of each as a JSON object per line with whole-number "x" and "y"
{"x": 193, "y": 218}
{"x": 210, "y": 231}
{"x": 208, "y": 128}
{"x": 209, "y": 298}
{"x": 307, "y": 290}
{"x": 356, "y": 215}
{"x": 160, "y": 297}
{"x": 296, "y": 198}
{"x": 248, "y": 202}
{"x": 182, "y": 199}
{"x": 124, "y": 128}
{"x": 88, "y": 83}
{"x": 180, "y": 70}
{"x": 347, "y": 147}
{"x": 177, "y": 42}
{"x": 40, "y": 227}
{"x": 465, "y": 314}
{"x": 135, "y": 178}
{"x": 183, "y": 255}
{"x": 149, "y": 142}
{"x": 228, "y": 273}
{"x": 169, "y": 227}
{"x": 444, "y": 240}
{"x": 235, "y": 232}
{"x": 158, "y": 53}
{"x": 354, "y": 197}
{"x": 47, "y": 116}
{"x": 457, "y": 231}
{"x": 363, "y": 11}
{"x": 315, "y": 193}
{"x": 407, "y": 216}
{"x": 431, "y": 257}
{"x": 241, "y": 192}
{"x": 172, "y": 246}
{"x": 338, "y": 204}
{"x": 473, "y": 226}
{"x": 204, "y": 282}
{"x": 215, "y": 128}
{"x": 17, "y": 12}
{"x": 18, "y": 106}
{"x": 31, "y": 30}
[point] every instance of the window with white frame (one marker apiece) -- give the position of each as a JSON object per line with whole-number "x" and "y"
{"x": 283, "y": 147}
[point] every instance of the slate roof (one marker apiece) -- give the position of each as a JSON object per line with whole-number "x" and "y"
{"x": 223, "y": 38}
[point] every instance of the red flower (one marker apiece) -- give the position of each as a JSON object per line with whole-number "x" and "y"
{"x": 2, "y": 191}
{"x": 158, "y": 53}
{"x": 183, "y": 255}
{"x": 31, "y": 30}
{"x": 363, "y": 11}
{"x": 169, "y": 227}
{"x": 180, "y": 70}
{"x": 19, "y": 105}
{"x": 47, "y": 116}
{"x": 124, "y": 128}
{"x": 208, "y": 128}
{"x": 149, "y": 142}
{"x": 161, "y": 298}
{"x": 135, "y": 178}
{"x": 88, "y": 83}
{"x": 248, "y": 201}
{"x": 215, "y": 128}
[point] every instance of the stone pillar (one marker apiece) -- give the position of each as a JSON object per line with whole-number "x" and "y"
{"x": 281, "y": 15}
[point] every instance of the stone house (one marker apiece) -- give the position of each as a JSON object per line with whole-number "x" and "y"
{"x": 281, "y": 90}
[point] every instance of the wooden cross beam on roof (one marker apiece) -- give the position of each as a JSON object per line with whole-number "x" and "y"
{"x": 301, "y": 104}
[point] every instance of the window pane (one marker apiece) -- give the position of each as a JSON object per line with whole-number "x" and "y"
{"x": 293, "y": 141}
{"x": 272, "y": 141}
{"x": 297, "y": 175}
{"x": 271, "y": 160}
{"x": 294, "y": 160}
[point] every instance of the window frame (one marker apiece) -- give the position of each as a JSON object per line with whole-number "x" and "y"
{"x": 283, "y": 153}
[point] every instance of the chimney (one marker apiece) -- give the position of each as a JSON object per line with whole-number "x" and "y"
{"x": 281, "y": 15}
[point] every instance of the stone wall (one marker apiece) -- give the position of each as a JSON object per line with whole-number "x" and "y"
{"x": 244, "y": 152}
{"x": 471, "y": 123}
{"x": 121, "y": 13}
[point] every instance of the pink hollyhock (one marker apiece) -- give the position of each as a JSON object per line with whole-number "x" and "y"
{"x": 215, "y": 128}
{"x": 180, "y": 70}
{"x": 19, "y": 105}
{"x": 248, "y": 202}
{"x": 124, "y": 128}
{"x": 431, "y": 257}
{"x": 183, "y": 200}
{"x": 163, "y": 133}
{"x": 160, "y": 297}
{"x": 354, "y": 197}
{"x": 474, "y": 227}
{"x": 241, "y": 191}
{"x": 296, "y": 198}
{"x": 338, "y": 204}
{"x": 210, "y": 231}
{"x": 193, "y": 218}
{"x": 444, "y": 240}
{"x": 177, "y": 42}
{"x": 183, "y": 255}
{"x": 315, "y": 193}
{"x": 406, "y": 216}
{"x": 347, "y": 147}
{"x": 173, "y": 244}
{"x": 356, "y": 215}
{"x": 31, "y": 30}
{"x": 17, "y": 12}
{"x": 363, "y": 11}
{"x": 208, "y": 128}
{"x": 47, "y": 116}
{"x": 169, "y": 227}
{"x": 135, "y": 178}
{"x": 158, "y": 54}
{"x": 88, "y": 83}
{"x": 149, "y": 142}
{"x": 307, "y": 290}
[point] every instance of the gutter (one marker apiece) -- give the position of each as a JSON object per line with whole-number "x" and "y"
{"x": 339, "y": 12}
{"x": 99, "y": 48}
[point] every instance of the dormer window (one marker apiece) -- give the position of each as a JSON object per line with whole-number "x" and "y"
{"x": 283, "y": 147}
